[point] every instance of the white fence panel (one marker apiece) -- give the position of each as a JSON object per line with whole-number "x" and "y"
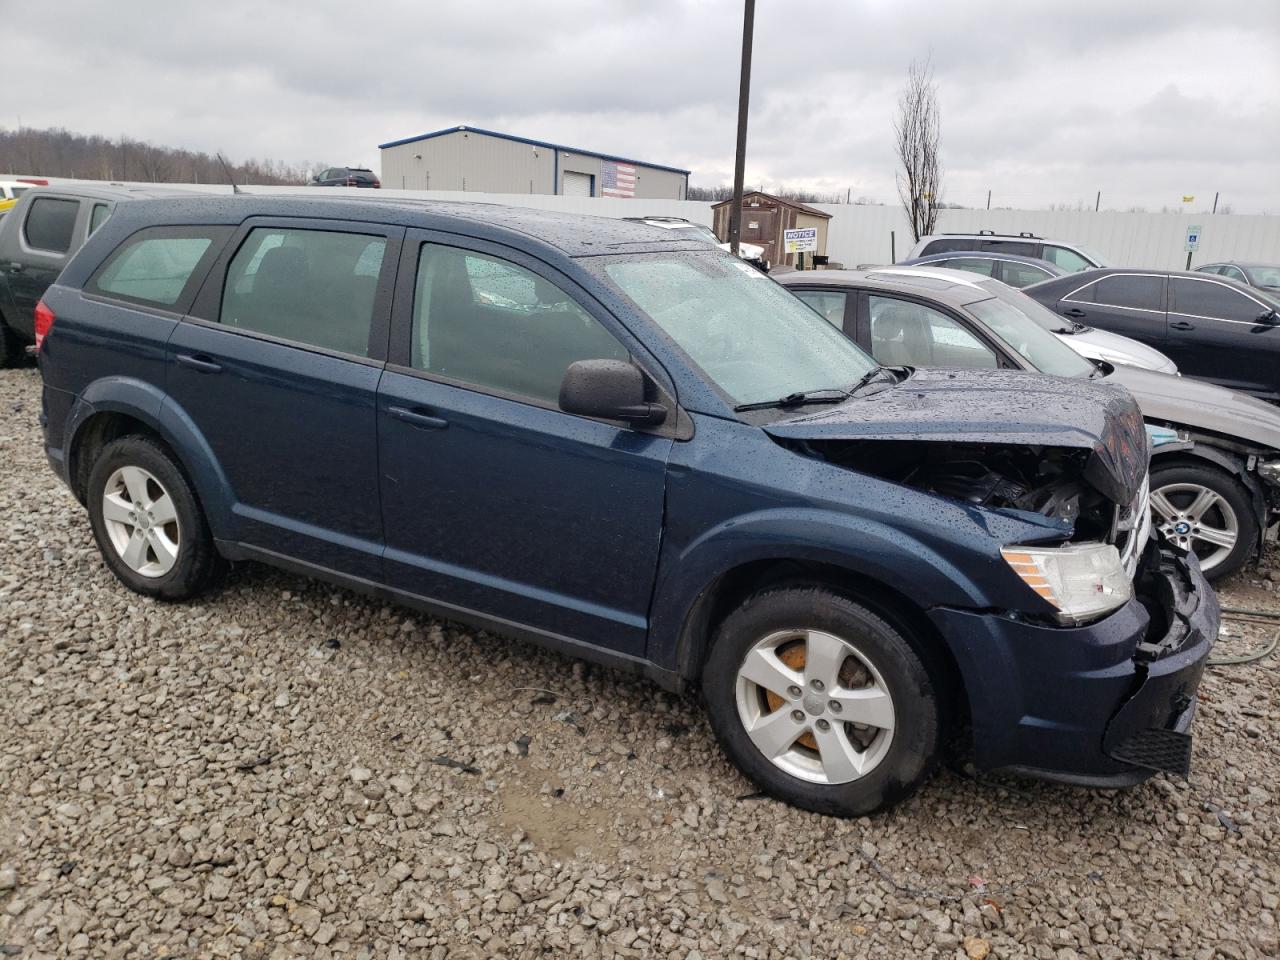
{"x": 861, "y": 234}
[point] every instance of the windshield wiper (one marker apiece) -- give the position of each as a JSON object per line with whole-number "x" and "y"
{"x": 868, "y": 378}
{"x": 798, "y": 399}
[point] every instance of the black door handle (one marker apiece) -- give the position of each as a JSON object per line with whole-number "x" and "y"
{"x": 1073, "y": 312}
{"x": 1181, "y": 325}
{"x": 418, "y": 419}
{"x": 200, "y": 363}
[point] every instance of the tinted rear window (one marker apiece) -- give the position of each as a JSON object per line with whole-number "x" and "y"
{"x": 1125, "y": 290}
{"x": 152, "y": 269}
{"x": 949, "y": 245}
{"x": 50, "y": 224}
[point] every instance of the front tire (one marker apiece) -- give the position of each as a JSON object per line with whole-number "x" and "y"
{"x": 1205, "y": 510}
{"x": 821, "y": 703}
{"x": 148, "y": 523}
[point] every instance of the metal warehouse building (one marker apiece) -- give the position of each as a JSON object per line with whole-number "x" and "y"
{"x": 467, "y": 158}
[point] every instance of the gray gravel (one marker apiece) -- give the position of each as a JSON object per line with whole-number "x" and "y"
{"x": 286, "y": 769}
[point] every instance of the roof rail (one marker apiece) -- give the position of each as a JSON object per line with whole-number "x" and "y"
{"x": 1024, "y": 235}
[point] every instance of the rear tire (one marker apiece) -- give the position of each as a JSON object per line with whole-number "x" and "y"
{"x": 1197, "y": 507}
{"x": 148, "y": 522}
{"x": 790, "y": 670}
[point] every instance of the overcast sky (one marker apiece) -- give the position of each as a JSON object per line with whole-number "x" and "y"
{"x": 1042, "y": 103}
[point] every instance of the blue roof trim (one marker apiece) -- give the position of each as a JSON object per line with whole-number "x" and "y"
{"x": 532, "y": 143}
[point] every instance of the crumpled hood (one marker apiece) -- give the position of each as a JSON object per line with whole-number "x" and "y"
{"x": 996, "y": 407}
{"x": 1200, "y": 405}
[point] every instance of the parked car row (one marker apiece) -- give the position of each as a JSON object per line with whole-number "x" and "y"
{"x": 628, "y": 445}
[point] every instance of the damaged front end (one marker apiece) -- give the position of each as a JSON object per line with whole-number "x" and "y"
{"x": 1086, "y": 672}
{"x": 1076, "y": 455}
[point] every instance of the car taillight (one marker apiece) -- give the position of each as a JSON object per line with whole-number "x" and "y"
{"x": 377, "y": 183}
{"x": 44, "y": 322}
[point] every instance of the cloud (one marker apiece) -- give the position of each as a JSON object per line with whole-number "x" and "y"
{"x": 1145, "y": 101}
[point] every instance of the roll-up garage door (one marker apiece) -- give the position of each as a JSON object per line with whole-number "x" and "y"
{"x": 577, "y": 184}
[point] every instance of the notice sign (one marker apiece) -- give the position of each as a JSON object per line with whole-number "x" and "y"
{"x": 804, "y": 240}
{"x": 1193, "y": 239}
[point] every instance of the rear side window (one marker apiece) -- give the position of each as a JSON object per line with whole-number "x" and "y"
{"x": 1127, "y": 290}
{"x": 949, "y": 245}
{"x": 1021, "y": 274}
{"x": 315, "y": 287}
{"x": 1017, "y": 247}
{"x": 156, "y": 267}
{"x": 970, "y": 264}
{"x": 98, "y": 216}
{"x": 50, "y": 224}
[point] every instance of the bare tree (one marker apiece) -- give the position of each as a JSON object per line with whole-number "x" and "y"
{"x": 916, "y": 131}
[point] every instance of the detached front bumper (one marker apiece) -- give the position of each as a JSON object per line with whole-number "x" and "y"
{"x": 1105, "y": 705}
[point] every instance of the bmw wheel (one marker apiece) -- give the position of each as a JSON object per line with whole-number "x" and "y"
{"x": 1206, "y": 511}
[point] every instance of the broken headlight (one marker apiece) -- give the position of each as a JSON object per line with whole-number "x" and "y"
{"x": 1269, "y": 470}
{"x": 1082, "y": 581}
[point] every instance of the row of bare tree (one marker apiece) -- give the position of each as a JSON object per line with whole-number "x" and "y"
{"x": 61, "y": 153}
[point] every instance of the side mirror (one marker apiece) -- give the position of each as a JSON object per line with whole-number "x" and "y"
{"x": 608, "y": 390}
{"x": 1270, "y": 318}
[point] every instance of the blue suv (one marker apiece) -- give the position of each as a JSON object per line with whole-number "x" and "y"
{"x": 634, "y": 448}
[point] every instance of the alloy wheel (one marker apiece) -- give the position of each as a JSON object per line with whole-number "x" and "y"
{"x": 815, "y": 706}
{"x": 1198, "y": 520}
{"x": 141, "y": 521}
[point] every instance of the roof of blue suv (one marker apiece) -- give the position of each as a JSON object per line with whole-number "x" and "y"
{"x": 574, "y": 235}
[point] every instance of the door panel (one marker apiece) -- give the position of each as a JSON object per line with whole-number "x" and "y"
{"x": 56, "y": 226}
{"x": 280, "y": 375}
{"x": 1132, "y": 305}
{"x": 494, "y": 500}
{"x": 1214, "y": 333}
{"x": 295, "y": 433}
{"x": 521, "y": 512}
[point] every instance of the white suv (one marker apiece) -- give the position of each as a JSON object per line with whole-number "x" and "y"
{"x": 750, "y": 252}
{"x": 1071, "y": 257}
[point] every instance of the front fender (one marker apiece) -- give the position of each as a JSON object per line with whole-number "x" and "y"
{"x": 151, "y": 406}
{"x": 902, "y": 558}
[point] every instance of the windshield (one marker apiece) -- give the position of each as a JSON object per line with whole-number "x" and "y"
{"x": 1037, "y": 346}
{"x": 755, "y": 340}
{"x": 1037, "y": 311}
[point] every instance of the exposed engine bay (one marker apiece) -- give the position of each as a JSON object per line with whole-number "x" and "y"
{"x": 1050, "y": 481}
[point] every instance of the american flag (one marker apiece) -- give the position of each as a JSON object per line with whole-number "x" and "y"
{"x": 618, "y": 180}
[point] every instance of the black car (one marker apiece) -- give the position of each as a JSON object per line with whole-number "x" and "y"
{"x": 346, "y": 177}
{"x": 37, "y": 238}
{"x": 1264, "y": 275}
{"x": 1211, "y": 327}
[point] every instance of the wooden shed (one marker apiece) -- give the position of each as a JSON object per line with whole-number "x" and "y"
{"x": 764, "y": 217}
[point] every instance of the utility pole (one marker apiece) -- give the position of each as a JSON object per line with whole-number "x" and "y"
{"x": 744, "y": 93}
{"x": 1097, "y": 204}
{"x": 1215, "y": 201}
{"x": 988, "y": 199}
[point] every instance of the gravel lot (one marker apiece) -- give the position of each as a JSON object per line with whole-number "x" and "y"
{"x": 288, "y": 769}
